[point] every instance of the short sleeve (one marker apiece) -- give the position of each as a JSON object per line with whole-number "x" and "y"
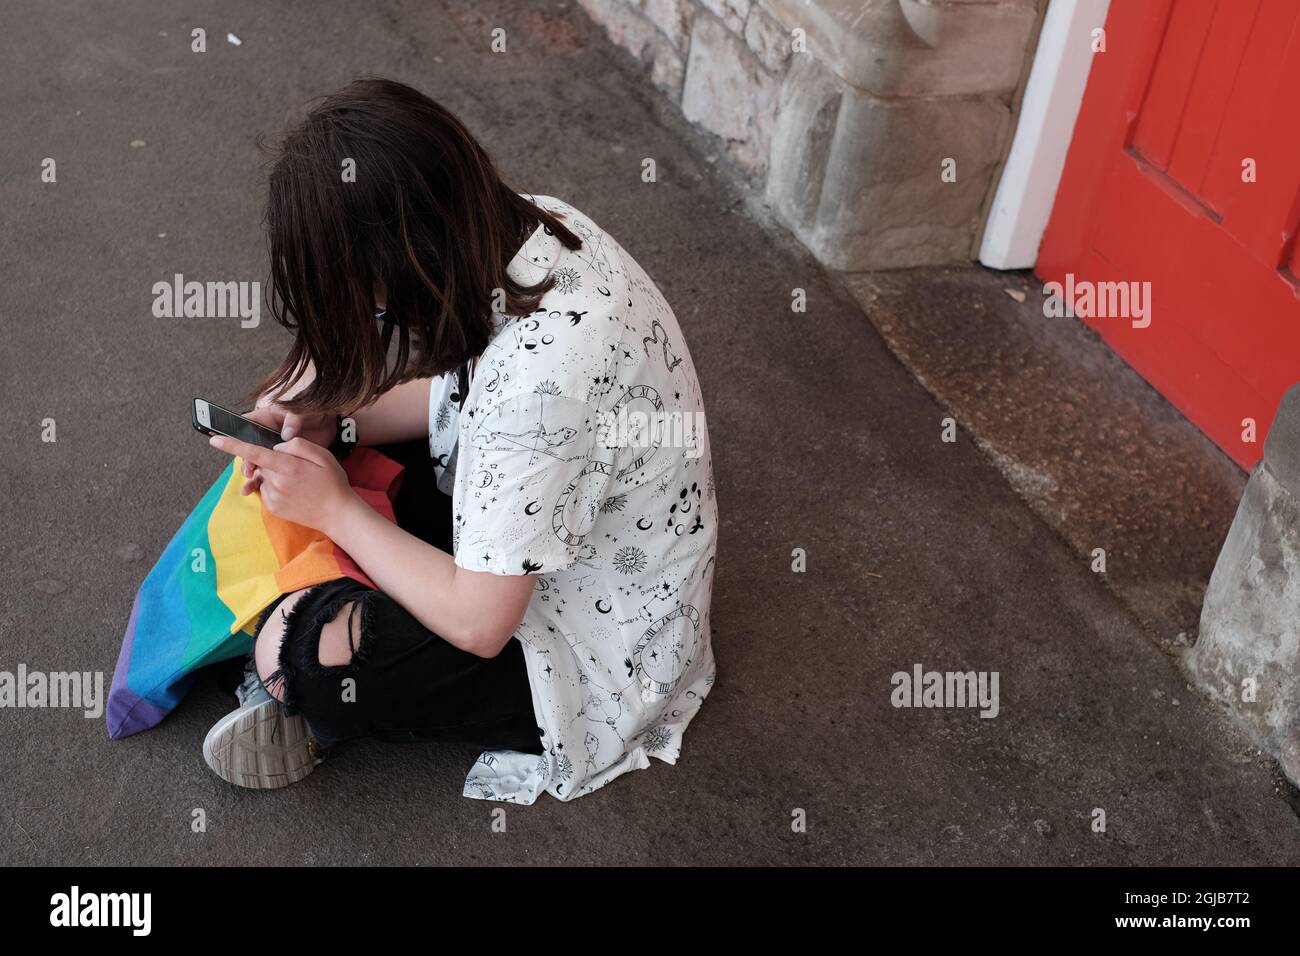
{"x": 530, "y": 480}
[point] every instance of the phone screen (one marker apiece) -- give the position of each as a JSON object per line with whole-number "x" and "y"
{"x": 236, "y": 426}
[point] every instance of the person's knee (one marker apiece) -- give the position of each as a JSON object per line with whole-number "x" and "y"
{"x": 341, "y": 637}
{"x": 266, "y": 650}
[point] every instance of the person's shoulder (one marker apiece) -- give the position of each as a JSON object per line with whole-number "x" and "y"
{"x": 577, "y": 221}
{"x": 566, "y": 343}
{"x": 559, "y": 349}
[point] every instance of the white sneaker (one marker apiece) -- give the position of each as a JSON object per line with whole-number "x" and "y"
{"x": 257, "y": 745}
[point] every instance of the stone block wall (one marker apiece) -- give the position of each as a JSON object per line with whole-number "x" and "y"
{"x": 846, "y": 112}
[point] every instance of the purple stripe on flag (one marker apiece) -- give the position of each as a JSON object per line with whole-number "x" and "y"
{"x": 129, "y": 713}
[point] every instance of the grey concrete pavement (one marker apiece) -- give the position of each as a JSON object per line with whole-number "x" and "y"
{"x": 918, "y": 552}
{"x": 1096, "y": 452}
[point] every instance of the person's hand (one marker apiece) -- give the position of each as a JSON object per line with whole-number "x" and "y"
{"x": 316, "y": 427}
{"x": 299, "y": 481}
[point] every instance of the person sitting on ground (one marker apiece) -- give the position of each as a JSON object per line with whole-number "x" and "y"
{"x": 545, "y": 592}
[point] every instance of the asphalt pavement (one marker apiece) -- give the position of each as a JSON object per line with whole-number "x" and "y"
{"x": 918, "y": 551}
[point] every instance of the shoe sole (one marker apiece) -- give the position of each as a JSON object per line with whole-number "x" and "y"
{"x": 260, "y": 748}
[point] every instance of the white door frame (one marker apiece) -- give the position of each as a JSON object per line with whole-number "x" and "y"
{"x": 1018, "y": 216}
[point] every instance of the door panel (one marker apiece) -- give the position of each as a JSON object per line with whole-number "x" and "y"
{"x": 1207, "y": 101}
{"x": 1263, "y": 68}
{"x": 1186, "y": 30}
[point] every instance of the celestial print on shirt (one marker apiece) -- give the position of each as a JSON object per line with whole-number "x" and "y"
{"x": 621, "y": 533}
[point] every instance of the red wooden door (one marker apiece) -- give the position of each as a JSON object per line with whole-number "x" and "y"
{"x": 1189, "y": 97}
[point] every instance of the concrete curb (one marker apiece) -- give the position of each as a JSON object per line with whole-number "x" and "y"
{"x": 1248, "y": 654}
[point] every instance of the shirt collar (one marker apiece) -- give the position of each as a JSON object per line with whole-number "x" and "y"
{"x": 535, "y": 258}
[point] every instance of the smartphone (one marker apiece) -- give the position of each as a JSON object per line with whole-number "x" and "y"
{"x": 212, "y": 419}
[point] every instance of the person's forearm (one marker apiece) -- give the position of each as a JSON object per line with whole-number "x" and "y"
{"x": 400, "y": 414}
{"x": 424, "y": 580}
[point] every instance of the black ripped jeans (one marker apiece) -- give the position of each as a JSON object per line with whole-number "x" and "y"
{"x": 404, "y": 682}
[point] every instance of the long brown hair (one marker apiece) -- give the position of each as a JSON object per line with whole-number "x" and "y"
{"x": 427, "y": 220}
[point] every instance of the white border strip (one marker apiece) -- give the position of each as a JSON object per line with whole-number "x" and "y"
{"x": 1048, "y": 110}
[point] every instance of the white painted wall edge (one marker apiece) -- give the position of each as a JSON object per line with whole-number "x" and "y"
{"x": 1053, "y": 93}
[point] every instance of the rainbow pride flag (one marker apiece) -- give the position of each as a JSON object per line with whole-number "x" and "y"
{"x": 228, "y": 562}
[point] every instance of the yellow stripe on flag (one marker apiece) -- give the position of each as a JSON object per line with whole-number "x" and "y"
{"x": 245, "y": 560}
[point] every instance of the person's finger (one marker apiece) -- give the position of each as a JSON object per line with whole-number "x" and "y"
{"x": 252, "y": 485}
{"x": 269, "y": 502}
{"x": 293, "y": 425}
{"x": 302, "y": 448}
{"x": 259, "y": 456}
{"x": 270, "y": 487}
{"x": 269, "y": 415}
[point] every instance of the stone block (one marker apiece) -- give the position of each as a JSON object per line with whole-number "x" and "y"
{"x": 626, "y": 27}
{"x": 859, "y": 179}
{"x": 732, "y": 13}
{"x": 801, "y": 142}
{"x": 1282, "y": 447}
{"x": 728, "y": 93}
{"x": 1247, "y": 656}
{"x": 621, "y": 23}
{"x": 769, "y": 40}
{"x": 673, "y": 18}
{"x": 668, "y": 72}
{"x": 915, "y": 47}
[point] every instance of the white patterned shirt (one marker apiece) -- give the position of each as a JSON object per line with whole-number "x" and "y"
{"x": 580, "y": 455}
